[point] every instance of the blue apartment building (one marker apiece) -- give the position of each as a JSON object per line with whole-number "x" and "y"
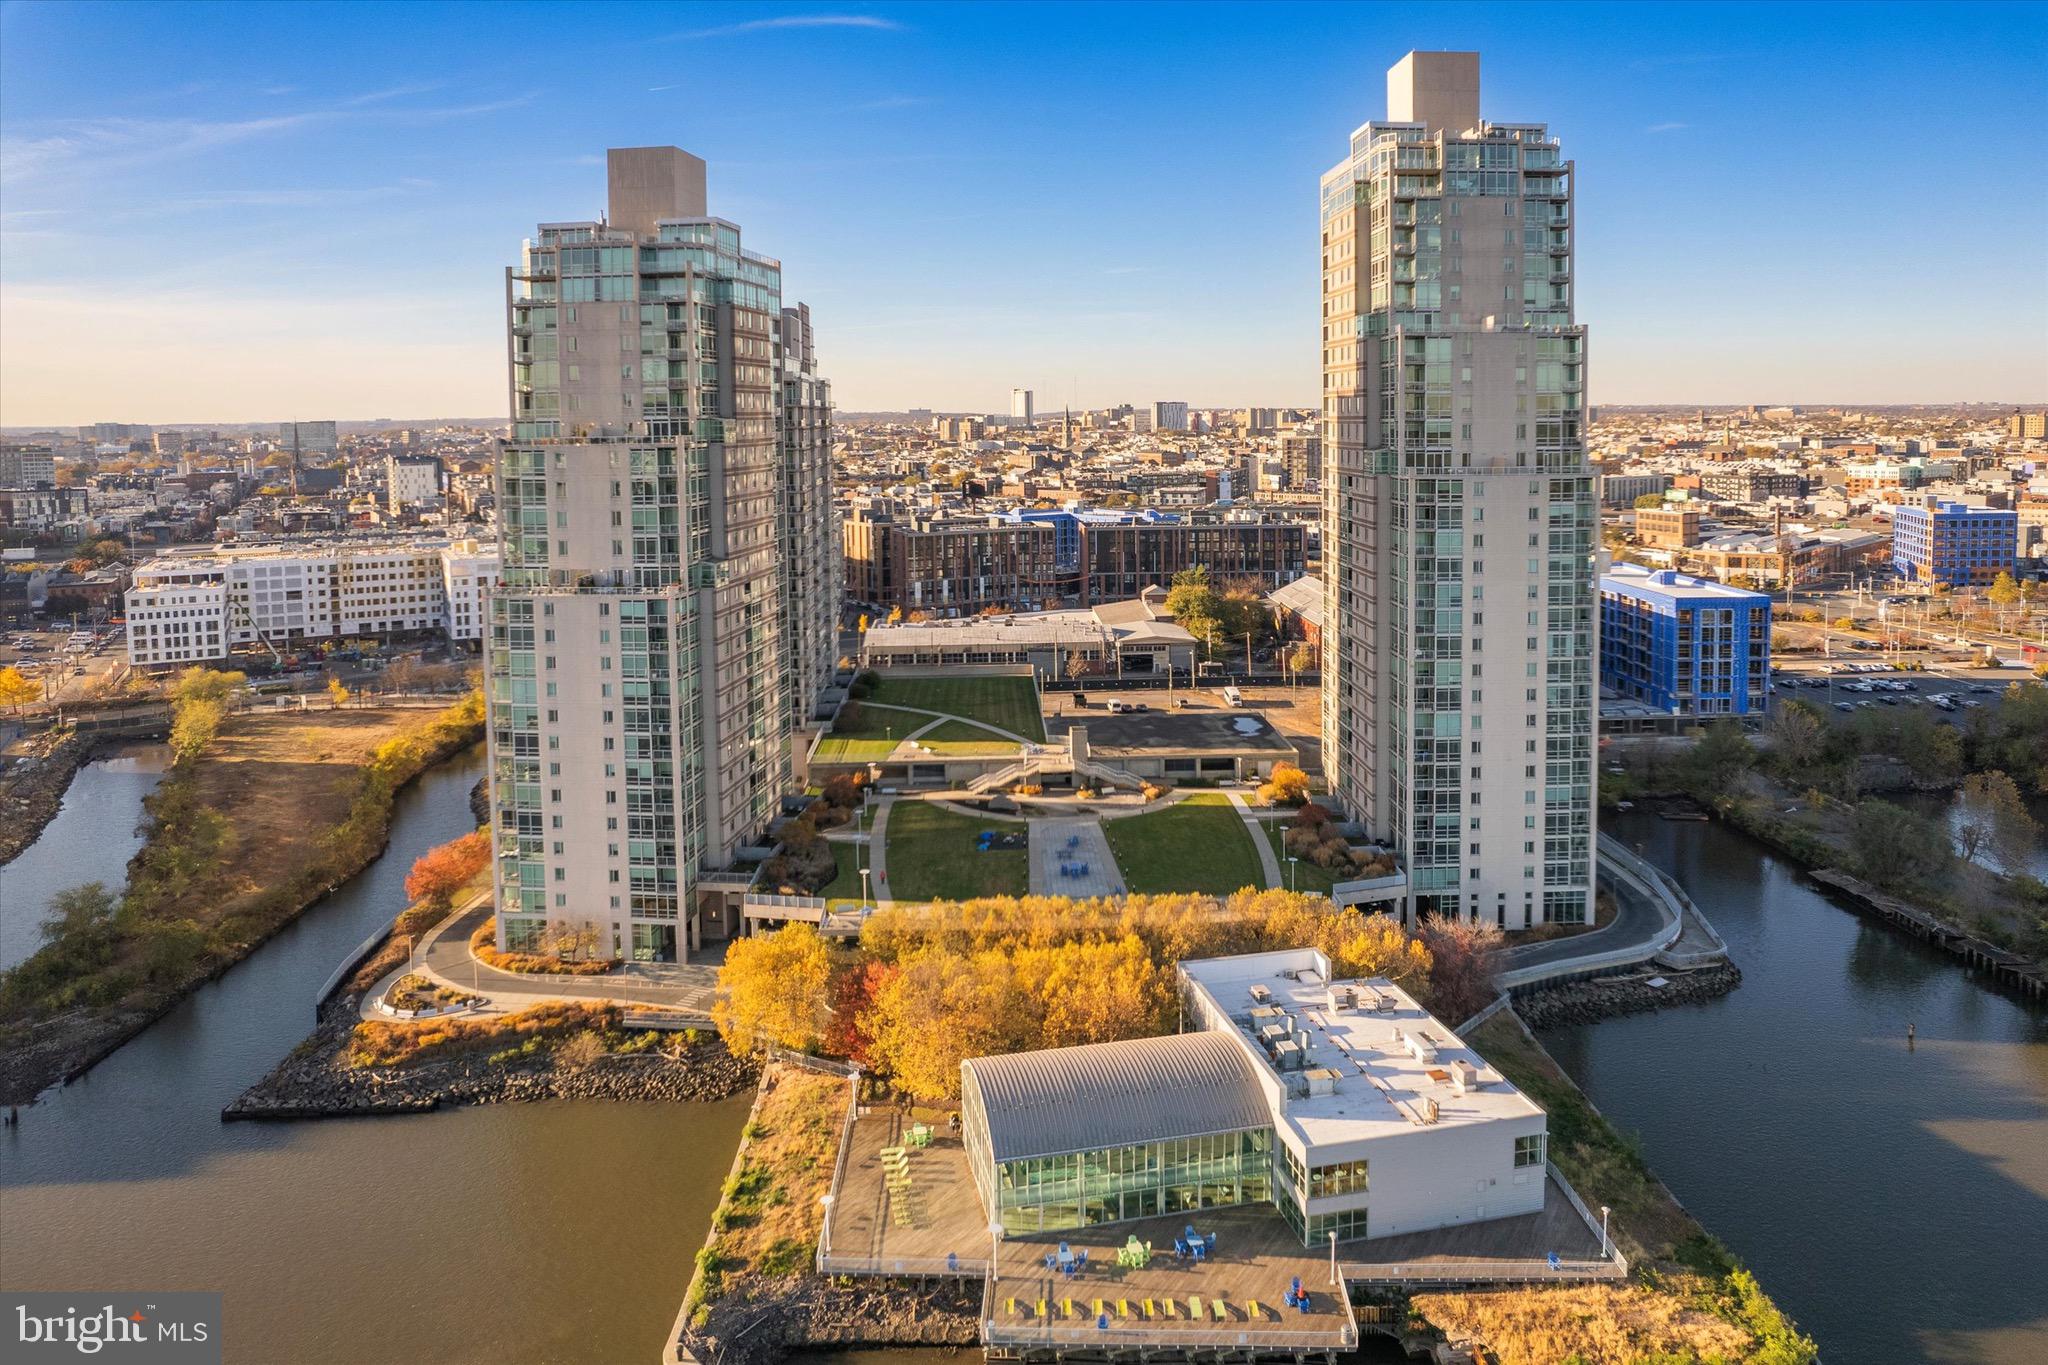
{"x": 1685, "y": 645}
{"x": 1954, "y": 543}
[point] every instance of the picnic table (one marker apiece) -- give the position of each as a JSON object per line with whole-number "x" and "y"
{"x": 920, "y": 1135}
{"x": 1134, "y": 1255}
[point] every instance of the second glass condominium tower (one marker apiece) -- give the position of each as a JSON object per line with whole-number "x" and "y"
{"x": 670, "y": 569}
{"x": 1458, "y": 677}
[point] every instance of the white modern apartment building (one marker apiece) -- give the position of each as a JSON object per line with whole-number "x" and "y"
{"x": 670, "y": 566}
{"x": 1022, "y": 413}
{"x": 411, "y": 481}
{"x": 1459, "y": 531}
{"x": 201, "y": 605}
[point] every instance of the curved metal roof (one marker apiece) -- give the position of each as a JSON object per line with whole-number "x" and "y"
{"x": 1077, "y": 1099}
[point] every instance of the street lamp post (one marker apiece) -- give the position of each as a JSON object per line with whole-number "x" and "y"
{"x": 825, "y": 1232}
{"x": 1603, "y": 1231}
{"x": 864, "y": 887}
{"x": 995, "y": 1247}
{"x": 1333, "y": 1258}
{"x": 1291, "y": 861}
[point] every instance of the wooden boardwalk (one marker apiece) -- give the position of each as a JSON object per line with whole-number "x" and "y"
{"x": 1238, "y": 1292}
{"x": 1498, "y": 1250}
{"x": 947, "y": 1233}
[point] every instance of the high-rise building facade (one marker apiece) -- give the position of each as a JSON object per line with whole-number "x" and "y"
{"x": 1022, "y": 413}
{"x": 669, "y": 581}
{"x": 1169, "y": 416}
{"x": 1459, "y": 659}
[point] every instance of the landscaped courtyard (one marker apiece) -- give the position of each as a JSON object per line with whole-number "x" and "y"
{"x": 1306, "y": 875}
{"x": 931, "y": 856}
{"x": 1197, "y": 844}
{"x": 868, "y": 730}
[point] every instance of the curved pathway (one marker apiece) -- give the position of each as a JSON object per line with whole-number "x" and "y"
{"x": 1269, "y": 863}
{"x": 938, "y": 716}
{"x": 878, "y": 849}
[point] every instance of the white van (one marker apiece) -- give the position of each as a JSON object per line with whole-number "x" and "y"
{"x": 1232, "y": 697}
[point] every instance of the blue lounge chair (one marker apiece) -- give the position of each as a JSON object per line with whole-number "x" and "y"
{"x": 1180, "y": 1248}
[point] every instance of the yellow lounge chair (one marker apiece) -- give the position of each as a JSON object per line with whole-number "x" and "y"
{"x": 1069, "y": 1305}
{"x": 1098, "y": 1308}
{"x": 1013, "y": 1307}
{"x": 1251, "y": 1310}
{"x": 1220, "y": 1309}
{"x": 1194, "y": 1308}
{"x": 1044, "y": 1311}
{"x": 1148, "y": 1308}
{"x": 1123, "y": 1308}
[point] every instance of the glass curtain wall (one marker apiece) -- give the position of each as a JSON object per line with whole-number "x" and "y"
{"x": 1146, "y": 1180}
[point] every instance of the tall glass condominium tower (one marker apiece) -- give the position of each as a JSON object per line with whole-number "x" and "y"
{"x": 670, "y": 567}
{"x": 1458, "y": 683}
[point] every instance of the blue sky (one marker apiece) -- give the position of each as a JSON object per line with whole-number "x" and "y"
{"x": 248, "y": 212}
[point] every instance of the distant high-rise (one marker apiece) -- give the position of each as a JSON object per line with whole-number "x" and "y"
{"x": 1169, "y": 416}
{"x": 670, "y": 567}
{"x": 1021, "y": 414}
{"x": 309, "y": 438}
{"x": 1458, "y": 683}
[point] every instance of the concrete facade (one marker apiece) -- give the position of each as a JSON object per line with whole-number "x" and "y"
{"x": 1459, "y": 517}
{"x": 669, "y": 587}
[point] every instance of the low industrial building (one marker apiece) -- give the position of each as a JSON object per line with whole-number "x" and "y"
{"x": 1343, "y": 1105}
{"x": 1686, "y": 646}
{"x": 1117, "y": 639}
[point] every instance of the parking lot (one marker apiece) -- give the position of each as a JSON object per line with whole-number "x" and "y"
{"x": 65, "y": 662}
{"x": 1844, "y": 687}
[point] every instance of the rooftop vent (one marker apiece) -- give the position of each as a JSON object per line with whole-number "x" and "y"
{"x": 1464, "y": 1076}
{"x": 1322, "y": 1080}
{"x": 1430, "y": 1112}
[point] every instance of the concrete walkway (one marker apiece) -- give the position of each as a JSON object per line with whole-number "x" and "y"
{"x": 1269, "y": 862}
{"x": 1049, "y": 851}
{"x": 445, "y": 959}
{"x": 878, "y": 849}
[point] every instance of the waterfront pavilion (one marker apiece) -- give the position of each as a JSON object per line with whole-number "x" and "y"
{"x": 1110, "y": 1132}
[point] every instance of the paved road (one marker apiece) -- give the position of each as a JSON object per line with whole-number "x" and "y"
{"x": 1637, "y": 920}
{"x": 1049, "y": 851}
{"x": 446, "y": 958}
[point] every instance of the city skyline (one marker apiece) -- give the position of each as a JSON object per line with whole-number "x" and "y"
{"x": 1043, "y": 226}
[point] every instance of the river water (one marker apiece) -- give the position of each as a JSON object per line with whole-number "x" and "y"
{"x": 92, "y": 836}
{"x": 544, "y": 1233}
{"x": 1893, "y": 1199}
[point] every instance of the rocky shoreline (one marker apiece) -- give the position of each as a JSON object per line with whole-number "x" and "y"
{"x": 34, "y": 791}
{"x": 314, "y": 1080}
{"x": 1608, "y": 997}
{"x": 811, "y": 1312}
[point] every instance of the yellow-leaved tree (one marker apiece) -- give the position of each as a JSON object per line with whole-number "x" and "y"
{"x": 774, "y": 990}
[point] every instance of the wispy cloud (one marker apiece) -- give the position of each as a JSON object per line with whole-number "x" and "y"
{"x": 396, "y": 92}
{"x": 657, "y": 89}
{"x": 1666, "y": 127}
{"x": 296, "y": 197}
{"x": 867, "y": 21}
{"x": 112, "y": 144}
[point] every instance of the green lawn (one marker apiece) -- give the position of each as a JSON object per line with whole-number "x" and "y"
{"x": 1008, "y": 703}
{"x": 1307, "y": 876}
{"x": 932, "y": 857}
{"x": 961, "y": 738}
{"x": 845, "y": 886}
{"x": 1198, "y": 844}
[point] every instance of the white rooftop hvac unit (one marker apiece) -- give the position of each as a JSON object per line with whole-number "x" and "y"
{"x": 1464, "y": 1076}
{"x": 1322, "y": 1080}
